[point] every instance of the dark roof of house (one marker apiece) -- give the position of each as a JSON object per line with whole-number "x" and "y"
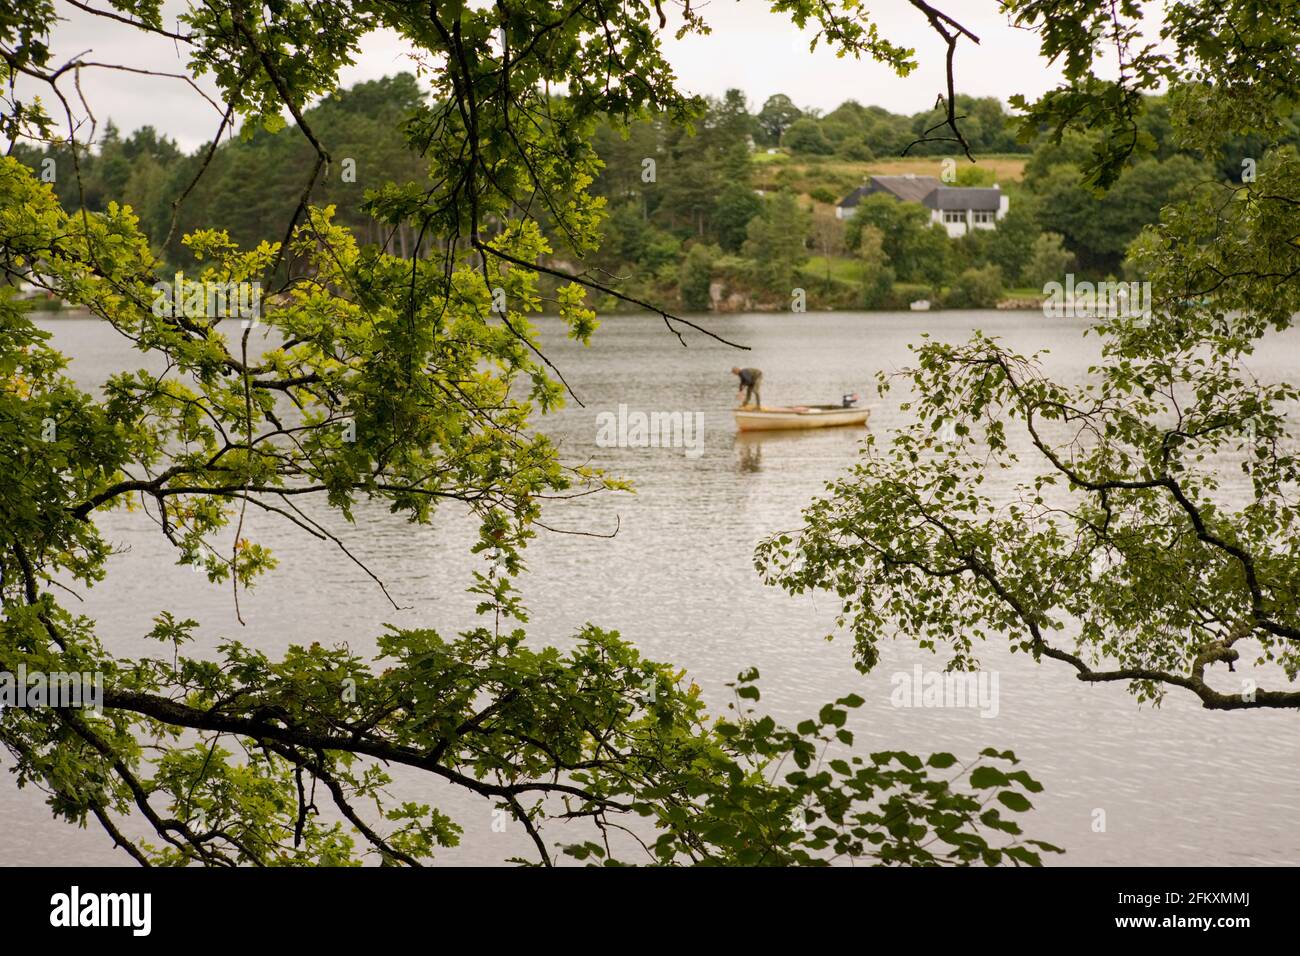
{"x": 907, "y": 188}
{"x": 855, "y": 197}
{"x": 984, "y": 199}
{"x": 929, "y": 192}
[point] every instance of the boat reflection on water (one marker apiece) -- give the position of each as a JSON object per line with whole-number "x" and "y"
{"x": 780, "y": 448}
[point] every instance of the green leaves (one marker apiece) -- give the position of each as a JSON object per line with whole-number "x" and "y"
{"x": 1245, "y": 86}
{"x": 833, "y": 716}
{"x": 984, "y": 777}
{"x": 1016, "y": 801}
{"x": 739, "y": 803}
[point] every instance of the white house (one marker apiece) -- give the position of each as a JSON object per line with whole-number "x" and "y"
{"x": 960, "y": 209}
{"x": 957, "y": 208}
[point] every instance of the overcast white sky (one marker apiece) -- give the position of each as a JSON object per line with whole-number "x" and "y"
{"x": 750, "y": 48}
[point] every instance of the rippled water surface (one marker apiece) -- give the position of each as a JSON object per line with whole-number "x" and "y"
{"x": 1178, "y": 785}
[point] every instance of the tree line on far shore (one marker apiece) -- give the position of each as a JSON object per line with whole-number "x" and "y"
{"x": 736, "y": 213}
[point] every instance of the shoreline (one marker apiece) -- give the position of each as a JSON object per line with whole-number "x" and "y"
{"x": 1007, "y": 305}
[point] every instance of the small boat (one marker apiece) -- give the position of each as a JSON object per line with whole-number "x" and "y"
{"x": 799, "y": 416}
{"x": 920, "y": 305}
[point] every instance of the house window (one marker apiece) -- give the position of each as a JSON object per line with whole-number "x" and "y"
{"x": 954, "y": 215}
{"x": 985, "y": 217}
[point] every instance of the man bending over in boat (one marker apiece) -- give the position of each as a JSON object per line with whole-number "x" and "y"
{"x": 749, "y": 381}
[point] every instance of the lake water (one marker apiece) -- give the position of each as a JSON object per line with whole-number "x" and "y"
{"x": 1178, "y": 785}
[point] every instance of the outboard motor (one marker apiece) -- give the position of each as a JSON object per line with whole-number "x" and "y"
{"x": 849, "y": 399}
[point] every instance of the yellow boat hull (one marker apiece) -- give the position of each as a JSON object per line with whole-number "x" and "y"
{"x": 800, "y": 417}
